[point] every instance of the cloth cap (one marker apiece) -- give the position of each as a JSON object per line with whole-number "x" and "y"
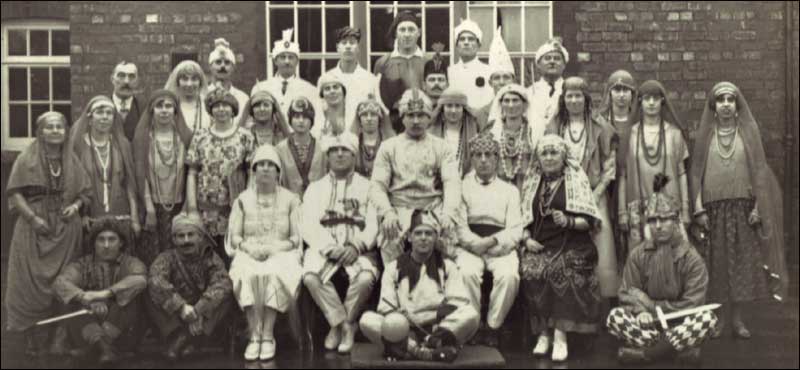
{"x": 266, "y": 153}
{"x": 346, "y": 32}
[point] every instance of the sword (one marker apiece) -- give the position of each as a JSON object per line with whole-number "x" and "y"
{"x": 663, "y": 318}
{"x": 64, "y": 317}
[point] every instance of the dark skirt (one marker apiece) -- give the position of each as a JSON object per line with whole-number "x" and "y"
{"x": 733, "y": 253}
{"x": 152, "y": 243}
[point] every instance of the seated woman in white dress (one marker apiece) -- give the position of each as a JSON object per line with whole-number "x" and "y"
{"x": 265, "y": 246}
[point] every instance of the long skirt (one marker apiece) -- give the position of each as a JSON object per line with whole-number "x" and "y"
{"x": 34, "y": 263}
{"x": 273, "y": 283}
{"x": 560, "y": 289}
{"x": 733, "y": 254}
{"x": 606, "y": 271}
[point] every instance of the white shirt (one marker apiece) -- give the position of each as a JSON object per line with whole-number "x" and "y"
{"x": 466, "y": 78}
{"x": 122, "y": 104}
{"x": 497, "y": 203}
{"x": 543, "y": 105}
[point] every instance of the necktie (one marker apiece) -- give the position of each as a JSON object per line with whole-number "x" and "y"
{"x": 123, "y": 110}
{"x": 552, "y": 89}
{"x": 283, "y": 88}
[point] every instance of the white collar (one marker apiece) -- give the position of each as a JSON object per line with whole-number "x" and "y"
{"x": 417, "y": 53}
{"x": 480, "y": 182}
{"x": 340, "y": 71}
{"x": 472, "y": 62}
{"x": 122, "y": 103}
{"x": 557, "y": 84}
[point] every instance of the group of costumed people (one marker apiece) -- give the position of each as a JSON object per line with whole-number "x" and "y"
{"x": 413, "y": 181}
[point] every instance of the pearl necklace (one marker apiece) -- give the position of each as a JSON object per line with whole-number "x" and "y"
{"x": 726, "y": 156}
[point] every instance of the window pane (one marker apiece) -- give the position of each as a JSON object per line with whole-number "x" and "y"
{"x": 334, "y": 20}
{"x": 17, "y": 43}
{"x": 437, "y": 28}
{"x": 279, "y": 20}
{"x": 40, "y": 84}
{"x": 510, "y": 19}
{"x": 40, "y": 42}
{"x": 538, "y": 28}
{"x": 61, "y": 84}
{"x": 36, "y": 111}
{"x": 66, "y": 110}
{"x": 60, "y": 42}
{"x": 310, "y": 69}
{"x": 437, "y": 2}
{"x": 18, "y": 120}
{"x": 309, "y": 22}
{"x": 380, "y": 21}
{"x": 310, "y": 2}
{"x": 483, "y": 17}
{"x": 337, "y": 3}
{"x": 18, "y": 83}
{"x": 330, "y": 63}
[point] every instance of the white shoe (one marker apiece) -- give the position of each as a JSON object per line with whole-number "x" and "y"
{"x": 333, "y": 338}
{"x": 348, "y": 337}
{"x": 252, "y": 350}
{"x": 559, "y": 351}
{"x": 542, "y": 346}
{"x": 267, "y": 349}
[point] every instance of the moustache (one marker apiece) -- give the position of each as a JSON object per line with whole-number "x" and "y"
{"x": 223, "y": 70}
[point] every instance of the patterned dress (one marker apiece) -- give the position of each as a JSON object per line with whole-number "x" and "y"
{"x": 220, "y": 177}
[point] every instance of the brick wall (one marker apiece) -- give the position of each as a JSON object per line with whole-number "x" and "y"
{"x": 147, "y": 33}
{"x": 690, "y": 46}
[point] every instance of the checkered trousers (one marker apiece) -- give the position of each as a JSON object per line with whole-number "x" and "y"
{"x": 690, "y": 333}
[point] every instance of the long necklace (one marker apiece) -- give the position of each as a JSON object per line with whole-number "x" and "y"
{"x": 55, "y": 172}
{"x": 104, "y": 162}
{"x": 172, "y": 165}
{"x": 460, "y": 137}
{"x": 580, "y": 138}
{"x": 268, "y": 223}
{"x": 721, "y": 148}
{"x": 198, "y": 115}
{"x": 548, "y": 195}
{"x": 653, "y": 158}
{"x": 509, "y": 151}
{"x": 168, "y": 153}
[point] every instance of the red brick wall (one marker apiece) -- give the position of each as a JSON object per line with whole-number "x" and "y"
{"x": 147, "y": 33}
{"x": 689, "y": 46}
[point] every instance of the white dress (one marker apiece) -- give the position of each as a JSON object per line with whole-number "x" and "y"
{"x": 274, "y": 282}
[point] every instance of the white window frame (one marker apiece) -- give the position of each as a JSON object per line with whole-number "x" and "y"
{"x": 398, "y": 6}
{"x": 320, "y": 56}
{"x": 17, "y": 144}
{"x": 495, "y": 6}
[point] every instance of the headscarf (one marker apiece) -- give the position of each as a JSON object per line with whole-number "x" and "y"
{"x": 248, "y": 120}
{"x": 579, "y": 196}
{"x": 143, "y": 138}
{"x": 766, "y": 188}
{"x": 469, "y": 124}
{"x": 495, "y": 124}
{"x": 625, "y": 79}
{"x": 77, "y": 145}
{"x": 372, "y": 105}
{"x": 668, "y": 113}
{"x": 186, "y": 67}
{"x": 30, "y": 167}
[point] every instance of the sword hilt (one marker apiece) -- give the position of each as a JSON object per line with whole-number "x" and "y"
{"x": 661, "y": 318}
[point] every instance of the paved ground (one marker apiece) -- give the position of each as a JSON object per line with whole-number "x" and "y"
{"x": 774, "y": 345}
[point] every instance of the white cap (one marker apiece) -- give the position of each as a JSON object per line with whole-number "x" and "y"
{"x": 286, "y": 45}
{"x": 469, "y": 26}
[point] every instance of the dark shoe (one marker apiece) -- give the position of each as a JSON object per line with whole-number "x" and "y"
{"x": 189, "y": 350}
{"x": 689, "y": 356}
{"x": 627, "y": 355}
{"x": 491, "y": 338}
{"x": 441, "y": 338}
{"x": 107, "y": 353}
{"x": 176, "y": 346}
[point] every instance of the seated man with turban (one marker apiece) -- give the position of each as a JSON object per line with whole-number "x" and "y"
{"x": 666, "y": 272}
{"x": 189, "y": 288}
{"x": 107, "y": 282}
